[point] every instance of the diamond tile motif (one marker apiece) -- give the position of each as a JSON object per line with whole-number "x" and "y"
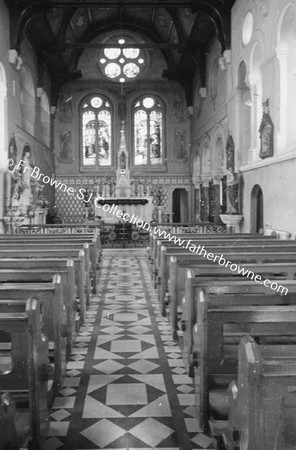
{"x": 52, "y": 444}
{"x": 138, "y": 330}
{"x": 99, "y": 381}
{"x": 59, "y": 415}
{"x": 100, "y": 353}
{"x": 202, "y": 440}
{"x": 185, "y": 388}
{"x": 73, "y": 373}
{"x": 108, "y": 366}
{"x": 112, "y": 330}
{"x": 158, "y": 408}
{"x": 151, "y": 432}
{"x": 116, "y": 368}
{"x": 93, "y": 409}
{"x": 66, "y": 392}
{"x": 143, "y": 366}
{"x": 103, "y": 433}
{"x": 58, "y": 428}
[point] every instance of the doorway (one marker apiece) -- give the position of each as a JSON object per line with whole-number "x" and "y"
{"x": 257, "y": 220}
{"x": 180, "y": 206}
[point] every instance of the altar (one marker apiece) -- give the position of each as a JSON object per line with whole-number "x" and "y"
{"x": 124, "y": 202}
{"x": 112, "y": 209}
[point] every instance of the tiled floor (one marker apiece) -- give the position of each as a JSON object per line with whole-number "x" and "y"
{"x": 126, "y": 387}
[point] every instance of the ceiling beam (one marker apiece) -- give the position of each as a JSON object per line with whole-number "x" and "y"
{"x": 82, "y": 45}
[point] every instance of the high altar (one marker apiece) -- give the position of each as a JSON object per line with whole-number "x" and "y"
{"x": 138, "y": 206}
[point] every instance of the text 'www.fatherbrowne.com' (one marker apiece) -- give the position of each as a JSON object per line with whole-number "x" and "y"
{"x": 99, "y": 202}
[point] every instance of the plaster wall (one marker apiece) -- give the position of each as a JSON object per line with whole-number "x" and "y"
{"x": 42, "y": 155}
{"x": 278, "y": 184}
{"x": 275, "y": 174}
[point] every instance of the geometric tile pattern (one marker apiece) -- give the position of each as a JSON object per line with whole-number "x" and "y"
{"x": 126, "y": 386}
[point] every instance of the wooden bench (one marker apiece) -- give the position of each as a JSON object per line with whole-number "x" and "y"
{"x": 62, "y": 241}
{"x": 26, "y": 382}
{"x": 51, "y": 259}
{"x": 38, "y": 275}
{"x": 221, "y": 248}
{"x": 213, "y": 277}
{"x": 47, "y": 250}
{"x": 183, "y": 260}
{"x": 216, "y": 333}
{"x": 53, "y": 315}
{"x": 205, "y": 240}
{"x": 156, "y": 241}
{"x": 262, "y": 403}
{"x": 217, "y": 248}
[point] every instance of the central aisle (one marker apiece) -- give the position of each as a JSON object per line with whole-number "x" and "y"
{"x": 126, "y": 387}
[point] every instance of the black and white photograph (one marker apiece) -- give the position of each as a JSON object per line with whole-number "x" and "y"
{"x": 147, "y": 235}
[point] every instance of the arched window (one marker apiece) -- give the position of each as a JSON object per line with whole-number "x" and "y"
{"x": 3, "y": 119}
{"x": 286, "y": 91}
{"x": 148, "y": 130}
{"x": 244, "y": 112}
{"x": 28, "y": 105}
{"x": 96, "y": 131}
{"x": 45, "y": 119}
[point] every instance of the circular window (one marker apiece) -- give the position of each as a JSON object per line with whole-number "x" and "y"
{"x": 96, "y": 102}
{"x": 248, "y": 28}
{"x": 122, "y": 61}
{"x": 112, "y": 70}
{"x": 148, "y": 102}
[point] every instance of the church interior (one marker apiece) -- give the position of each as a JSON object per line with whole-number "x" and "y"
{"x": 147, "y": 227}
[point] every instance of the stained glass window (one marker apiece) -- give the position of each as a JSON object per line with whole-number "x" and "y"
{"x": 148, "y": 131}
{"x": 124, "y": 62}
{"x": 96, "y": 121}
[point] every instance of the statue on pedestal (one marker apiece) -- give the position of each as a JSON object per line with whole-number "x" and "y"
{"x": 232, "y": 190}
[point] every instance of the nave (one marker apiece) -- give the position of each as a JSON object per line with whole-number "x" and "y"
{"x": 126, "y": 386}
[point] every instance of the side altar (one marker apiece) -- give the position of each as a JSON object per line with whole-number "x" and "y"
{"x": 134, "y": 203}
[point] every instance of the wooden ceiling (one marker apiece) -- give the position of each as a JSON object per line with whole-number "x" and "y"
{"x": 59, "y": 31}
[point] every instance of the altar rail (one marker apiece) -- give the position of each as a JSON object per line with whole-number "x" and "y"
{"x": 60, "y": 228}
{"x": 121, "y": 235}
{"x": 201, "y": 227}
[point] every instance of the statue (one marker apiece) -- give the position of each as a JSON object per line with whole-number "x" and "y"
{"x": 230, "y": 152}
{"x": 180, "y": 149}
{"x": 12, "y": 176}
{"x": 122, "y": 161}
{"x": 26, "y": 170}
{"x": 65, "y": 155}
{"x": 65, "y": 110}
{"x": 232, "y": 190}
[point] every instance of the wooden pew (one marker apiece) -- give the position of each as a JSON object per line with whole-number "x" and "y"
{"x": 218, "y": 239}
{"x": 38, "y": 275}
{"x": 65, "y": 240}
{"x": 262, "y": 403}
{"x": 215, "y": 248}
{"x": 216, "y": 333}
{"x": 219, "y": 248}
{"x": 29, "y": 259}
{"x": 26, "y": 381}
{"x": 61, "y": 251}
{"x": 156, "y": 241}
{"x": 53, "y": 315}
{"x": 184, "y": 260}
{"x": 214, "y": 276}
